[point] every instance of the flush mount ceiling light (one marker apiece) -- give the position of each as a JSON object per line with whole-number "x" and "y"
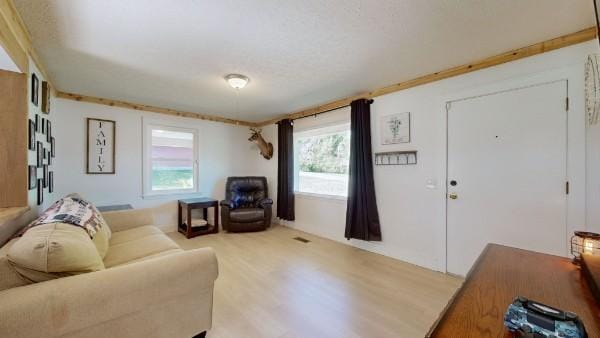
{"x": 237, "y": 81}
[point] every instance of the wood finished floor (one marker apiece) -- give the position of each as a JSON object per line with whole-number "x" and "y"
{"x": 270, "y": 285}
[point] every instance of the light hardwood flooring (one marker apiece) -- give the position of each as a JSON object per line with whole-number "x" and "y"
{"x": 271, "y": 285}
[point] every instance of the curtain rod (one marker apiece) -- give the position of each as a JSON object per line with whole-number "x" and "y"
{"x": 370, "y": 101}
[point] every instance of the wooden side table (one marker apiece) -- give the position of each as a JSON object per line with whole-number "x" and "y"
{"x": 204, "y": 203}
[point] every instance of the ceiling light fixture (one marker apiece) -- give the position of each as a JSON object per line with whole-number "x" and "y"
{"x": 237, "y": 81}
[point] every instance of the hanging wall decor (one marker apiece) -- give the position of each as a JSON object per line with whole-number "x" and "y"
{"x": 35, "y": 87}
{"x": 100, "y": 146}
{"x": 51, "y": 182}
{"x": 40, "y": 154}
{"x": 396, "y": 158}
{"x": 48, "y": 131}
{"x": 32, "y": 177}
{"x": 40, "y": 191}
{"x": 45, "y": 97}
{"x": 46, "y": 180}
{"x": 31, "y": 143}
{"x": 395, "y": 128}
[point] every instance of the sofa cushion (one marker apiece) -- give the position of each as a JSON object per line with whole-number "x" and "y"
{"x": 9, "y": 277}
{"x": 54, "y": 250}
{"x": 138, "y": 244}
{"x": 247, "y": 214}
{"x": 134, "y": 234}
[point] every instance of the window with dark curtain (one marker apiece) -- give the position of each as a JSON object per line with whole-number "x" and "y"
{"x": 285, "y": 170}
{"x": 362, "y": 217}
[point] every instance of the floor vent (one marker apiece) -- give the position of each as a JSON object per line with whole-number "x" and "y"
{"x": 303, "y": 240}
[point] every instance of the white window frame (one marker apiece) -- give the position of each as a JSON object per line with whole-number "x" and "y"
{"x": 147, "y": 127}
{"x": 333, "y": 127}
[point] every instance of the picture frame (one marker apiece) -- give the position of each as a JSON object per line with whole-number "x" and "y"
{"x": 46, "y": 180}
{"x": 48, "y": 157}
{"x": 52, "y": 147}
{"x": 45, "y": 97}
{"x": 44, "y": 125}
{"x": 37, "y": 123}
{"x": 51, "y": 182}
{"x": 48, "y": 130}
{"x": 35, "y": 86}
{"x": 40, "y": 191}
{"x": 31, "y": 129}
{"x": 395, "y": 128}
{"x": 32, "y": 177}
{"x": 101, "y": 138}
{"x": 40, "y": 154}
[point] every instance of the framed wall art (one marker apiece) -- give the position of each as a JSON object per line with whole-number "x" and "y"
{"x": 35, "y": 87}
{"x": 32, "y": 177}
{"x": 40, "y": 191}
{"x": 395, "y": 128}
{"x": 51, "y": 182}
{"x": 52, "y": 147}
{"x": 46, "y": 180}
{"x": 31, "y": 143}
{"x": 100, "y": 146}
{"x": 40, "y": 154}
{"x": 48, "y": 131}
{"x": 45, "y": 97}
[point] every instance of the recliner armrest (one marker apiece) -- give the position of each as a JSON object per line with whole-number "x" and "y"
{"x": 265, "y": 202}
{"x": 227, "y": 203}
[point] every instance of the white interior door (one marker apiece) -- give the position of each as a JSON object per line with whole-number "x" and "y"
{"x": 507, "y": 171}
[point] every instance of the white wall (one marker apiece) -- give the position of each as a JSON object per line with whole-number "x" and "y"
{"x": 412, "y": 215}
{"x": 224, "y": 151}
{"x": 6, "y": 61}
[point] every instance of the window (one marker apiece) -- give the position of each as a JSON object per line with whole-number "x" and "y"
{"x": 170, "y": 159}
{"x": 322, "y": 156}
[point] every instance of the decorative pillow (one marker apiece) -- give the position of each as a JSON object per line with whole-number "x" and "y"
{"x": 74, "y": 210}
{"x": 54, "y": 250}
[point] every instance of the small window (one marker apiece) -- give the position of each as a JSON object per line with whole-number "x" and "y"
{"x": 322, "y": 157}
{"x": 170, "y": 160}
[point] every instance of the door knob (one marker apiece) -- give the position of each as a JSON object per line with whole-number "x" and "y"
{"x": 453, "y": 195}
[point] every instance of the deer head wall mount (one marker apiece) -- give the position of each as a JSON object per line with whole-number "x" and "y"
{"x": 266, "y": 148}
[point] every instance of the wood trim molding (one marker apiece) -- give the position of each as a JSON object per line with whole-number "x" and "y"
{"x": 143, "y": 107}
{"x": 538, "y": 48}
{"x": 16, "y": 39}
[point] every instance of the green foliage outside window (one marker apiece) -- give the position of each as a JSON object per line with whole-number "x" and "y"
{"x": 324, "y": 154}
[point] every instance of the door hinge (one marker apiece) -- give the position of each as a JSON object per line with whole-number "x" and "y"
{"x": 567, "y": 187}
{"x": 448, "y": 106}
{"x": 567, "y": 103}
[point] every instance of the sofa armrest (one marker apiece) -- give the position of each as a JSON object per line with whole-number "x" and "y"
{"x": 227, "y": 203}
{"x": 61, "y": 306}
{"x": 128, "y": 219}
{"x": 265, "y": 202}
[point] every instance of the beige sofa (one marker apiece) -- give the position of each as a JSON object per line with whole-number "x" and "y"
{"x": 149, "y": 287}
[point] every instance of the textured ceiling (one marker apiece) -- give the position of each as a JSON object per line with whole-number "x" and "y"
{"x": 298, "y": 54}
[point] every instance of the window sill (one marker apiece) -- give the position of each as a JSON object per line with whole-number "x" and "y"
{"x": 175, "y": 195}
{"x": 320, "y": 196}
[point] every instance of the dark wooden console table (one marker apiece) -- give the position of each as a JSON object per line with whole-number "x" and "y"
{"x": 204, "y": 203}
{"x": 500, "y": 274}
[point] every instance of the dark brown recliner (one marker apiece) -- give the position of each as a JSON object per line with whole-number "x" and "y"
{"x": 247, "y": 206}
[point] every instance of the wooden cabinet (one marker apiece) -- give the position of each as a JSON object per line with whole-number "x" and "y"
{"x": 13, "y": 139}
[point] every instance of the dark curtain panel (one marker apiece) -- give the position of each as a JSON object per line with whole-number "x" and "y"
{"x": 285, "y": 170}
{"x": 362, "y": 218}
